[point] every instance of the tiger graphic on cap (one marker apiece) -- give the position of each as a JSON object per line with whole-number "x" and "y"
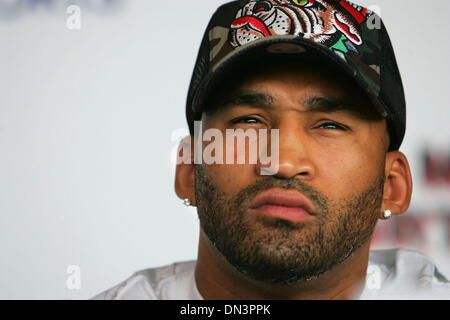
{"x": 322, "y": 21}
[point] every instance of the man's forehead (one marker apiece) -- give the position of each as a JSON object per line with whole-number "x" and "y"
{"x": 306, "y": 102}
{"x": 331, "y": 88}
{"x": 284, "y": 68}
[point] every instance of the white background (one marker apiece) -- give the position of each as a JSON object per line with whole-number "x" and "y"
{"x": 86, "y": 124}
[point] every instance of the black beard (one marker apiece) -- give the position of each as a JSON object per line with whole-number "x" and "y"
{"x": 278, "y": 251}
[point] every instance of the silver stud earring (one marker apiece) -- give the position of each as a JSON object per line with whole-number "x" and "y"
{"x": 387, "y": 214}
{"x": 187, "y": 202}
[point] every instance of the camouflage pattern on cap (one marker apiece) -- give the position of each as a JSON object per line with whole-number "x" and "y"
{"x": 353, "y": 36}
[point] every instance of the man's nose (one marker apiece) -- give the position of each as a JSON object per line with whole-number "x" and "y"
{"x": 294, "y": 155}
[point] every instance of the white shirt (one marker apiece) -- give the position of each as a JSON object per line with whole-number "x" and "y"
{"x": 391, "y": 274}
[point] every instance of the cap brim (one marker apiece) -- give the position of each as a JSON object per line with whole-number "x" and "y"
{"x": 285, "y": 45}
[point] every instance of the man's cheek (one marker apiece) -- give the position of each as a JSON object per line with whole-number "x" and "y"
{"x": 230, "y": 178}
{"x": 339, "y": 174}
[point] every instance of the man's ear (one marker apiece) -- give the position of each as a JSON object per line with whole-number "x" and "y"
{"x": 185, "y": 171}
{"x": 398, "y": 184}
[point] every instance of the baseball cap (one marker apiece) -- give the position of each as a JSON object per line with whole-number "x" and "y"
{"x": 351, "y": 37}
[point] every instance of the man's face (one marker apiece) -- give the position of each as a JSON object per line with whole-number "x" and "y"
{"x": 332, "y": 156}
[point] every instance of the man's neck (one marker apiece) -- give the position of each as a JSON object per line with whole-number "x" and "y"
{"x": 217, "y": 279}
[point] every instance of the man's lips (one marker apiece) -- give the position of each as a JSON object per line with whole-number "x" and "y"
{"x": 283, "y": 204}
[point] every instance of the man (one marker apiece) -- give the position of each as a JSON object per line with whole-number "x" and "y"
{"x": 322, "y": 75}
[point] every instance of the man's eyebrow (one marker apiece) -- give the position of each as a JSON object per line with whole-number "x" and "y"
{"x": 310, "y": 103}
{"x": 247, "y": 98}
{"x": 325, "y": 104}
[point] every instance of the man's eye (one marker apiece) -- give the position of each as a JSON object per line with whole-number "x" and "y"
{"x": 248, "y": 120}
{"x": 332, "y": 125}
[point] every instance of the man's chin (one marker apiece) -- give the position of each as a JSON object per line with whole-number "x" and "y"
{"x": 274, "y": 259}
{"x": 270, "y": 271}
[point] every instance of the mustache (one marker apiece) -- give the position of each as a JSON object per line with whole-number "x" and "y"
{"x": 246, "y": 195}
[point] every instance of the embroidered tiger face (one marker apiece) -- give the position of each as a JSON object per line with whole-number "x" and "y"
{"x": 317, "y": 20}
